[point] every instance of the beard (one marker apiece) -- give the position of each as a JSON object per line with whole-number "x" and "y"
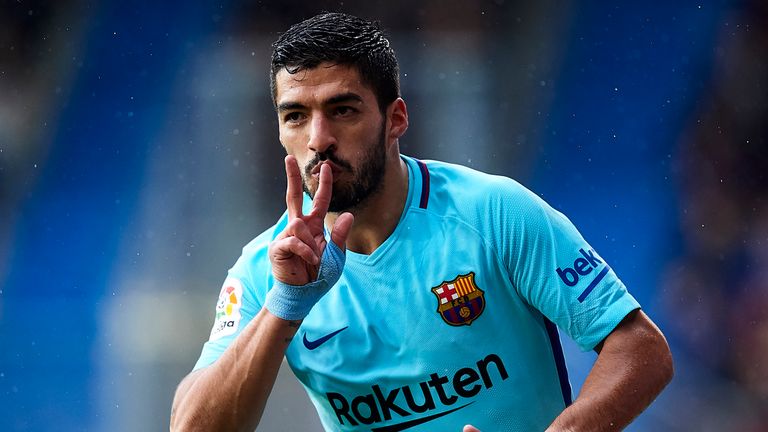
{"x": 366, "y": 177}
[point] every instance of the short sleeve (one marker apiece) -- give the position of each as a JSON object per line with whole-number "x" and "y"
{"x": 243, "y": 293}
{"x": 241, "y": 296}
{"x": 235, "y": 308}
{"x": 560, "y": 274}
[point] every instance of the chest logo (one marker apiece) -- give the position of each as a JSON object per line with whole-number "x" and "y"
{"x": 311, "y": 345}
{"x": 460, "y": 301}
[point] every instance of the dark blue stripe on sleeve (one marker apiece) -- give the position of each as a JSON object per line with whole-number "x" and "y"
{"x": 562, "y": 370}
{"x": 594, "y": 283}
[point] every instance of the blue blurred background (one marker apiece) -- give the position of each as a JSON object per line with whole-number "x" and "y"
{"x": 139, "y": 153}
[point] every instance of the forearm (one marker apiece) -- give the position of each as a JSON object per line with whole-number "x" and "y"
{"x": 633, "y": 367}
{"x": 231, "y": 393}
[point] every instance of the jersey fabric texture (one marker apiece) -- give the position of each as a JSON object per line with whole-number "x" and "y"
{"x": 452, "y": 320}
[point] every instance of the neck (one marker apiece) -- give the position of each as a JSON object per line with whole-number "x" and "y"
{"x": 377, "y": 218}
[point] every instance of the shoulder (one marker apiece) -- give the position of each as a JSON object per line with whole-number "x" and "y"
{"x": 253, "y": 268}
{"x": 253, "y": 264}
{"x": 462, "y": 191}
{"x": 508, "y": 216}
{"x": 262, "y": 241}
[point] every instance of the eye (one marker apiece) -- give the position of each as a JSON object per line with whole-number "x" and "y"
{"x": 344, "y": 111}
{"x": 293, "y": 117}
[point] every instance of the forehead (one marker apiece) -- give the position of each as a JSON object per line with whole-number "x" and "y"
{"x": 320, "y": 83}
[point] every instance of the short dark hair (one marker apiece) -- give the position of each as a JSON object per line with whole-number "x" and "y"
{"x": 344, "y": 40}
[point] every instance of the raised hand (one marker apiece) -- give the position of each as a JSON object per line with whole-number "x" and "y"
{"x": 295, "y": 253}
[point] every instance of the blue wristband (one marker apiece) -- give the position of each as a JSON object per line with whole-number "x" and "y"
{"x": 293, "y": 302}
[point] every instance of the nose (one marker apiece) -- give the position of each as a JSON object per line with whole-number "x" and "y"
{"x": 321, "y": 135}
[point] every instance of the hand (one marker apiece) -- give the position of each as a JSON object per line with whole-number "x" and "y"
{"x": 296, "y": 252}
{"x": 470, "y": 428}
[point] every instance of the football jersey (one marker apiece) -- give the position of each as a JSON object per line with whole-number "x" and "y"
{"x": 452, "y": 320}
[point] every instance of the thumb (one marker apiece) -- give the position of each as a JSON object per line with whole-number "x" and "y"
{"x": 470, "y": 428}
{"x": 341, "y": 229}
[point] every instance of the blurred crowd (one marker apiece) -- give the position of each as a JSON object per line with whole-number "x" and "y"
{"x": 30, "y": 47}
{"x": 716, "y": 291}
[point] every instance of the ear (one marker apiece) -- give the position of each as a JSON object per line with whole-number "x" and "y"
{"x": 397, "y": 116}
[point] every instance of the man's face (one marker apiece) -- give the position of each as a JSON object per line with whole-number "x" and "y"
{"x": 327, "y": 115}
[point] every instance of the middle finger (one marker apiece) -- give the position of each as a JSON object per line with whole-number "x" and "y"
{"x": 323, "y": 196}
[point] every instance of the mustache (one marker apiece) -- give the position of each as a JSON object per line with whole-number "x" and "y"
{"x": 326, "y": 156}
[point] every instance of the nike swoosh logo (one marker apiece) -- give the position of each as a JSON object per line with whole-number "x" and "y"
{"x": 316, "y": 343}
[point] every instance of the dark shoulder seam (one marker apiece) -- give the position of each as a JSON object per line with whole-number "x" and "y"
{"x": 424, "y": 201}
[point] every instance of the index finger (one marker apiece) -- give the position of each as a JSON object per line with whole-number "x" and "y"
{"x": 293, "y": 194}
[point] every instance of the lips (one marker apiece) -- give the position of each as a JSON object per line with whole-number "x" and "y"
{"x": 335, "y": 170}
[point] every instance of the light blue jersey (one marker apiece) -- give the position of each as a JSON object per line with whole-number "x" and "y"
{"x": 451, "y": 320}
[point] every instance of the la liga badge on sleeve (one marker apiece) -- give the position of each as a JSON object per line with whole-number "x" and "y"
{"x": 227, "y": 309}
{"x": 459, "y": 301}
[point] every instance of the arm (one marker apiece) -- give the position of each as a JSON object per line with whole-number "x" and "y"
{"x": 231, "y": 393}
{"x": 633, "y": 366}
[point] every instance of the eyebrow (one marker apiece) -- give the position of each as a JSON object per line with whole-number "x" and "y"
{"x": 340, "y": 98}
{"x": 344, "y": 97}
{"x": 287, "y": 106}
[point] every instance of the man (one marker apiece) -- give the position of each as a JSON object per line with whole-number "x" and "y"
{"x": 425, "y": 295}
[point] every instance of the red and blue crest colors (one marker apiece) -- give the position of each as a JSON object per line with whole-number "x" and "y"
{"x": 460, "y": 301}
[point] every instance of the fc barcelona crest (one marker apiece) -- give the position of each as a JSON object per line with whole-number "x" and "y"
{"x": 460, "y": 301}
